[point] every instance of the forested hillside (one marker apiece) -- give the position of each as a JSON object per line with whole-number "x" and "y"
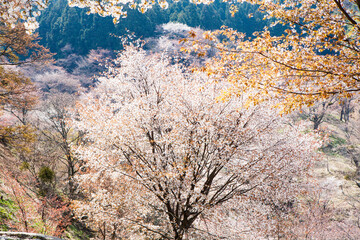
{"x": 64, "y": 29}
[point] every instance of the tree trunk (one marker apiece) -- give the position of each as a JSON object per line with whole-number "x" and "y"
{"x": 355, "y": 157}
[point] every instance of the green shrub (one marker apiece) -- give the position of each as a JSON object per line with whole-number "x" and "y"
{"x": 46, "y": 175}
{"x": 7, "y": 209}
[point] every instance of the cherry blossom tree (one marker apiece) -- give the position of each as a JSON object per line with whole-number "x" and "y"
{"x": 14, "y": 11}
{"x": 56, "y": 131}
{"x": 160, "y": 151}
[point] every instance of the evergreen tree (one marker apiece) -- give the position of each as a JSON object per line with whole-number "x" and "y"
{"x": 71, "y": 30}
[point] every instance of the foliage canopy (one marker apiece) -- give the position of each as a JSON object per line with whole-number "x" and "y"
{"x": 317, "y": 56}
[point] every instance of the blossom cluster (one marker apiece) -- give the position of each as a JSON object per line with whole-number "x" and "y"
{"x": 155, "y": 134}
{"x": 13, "y": 11}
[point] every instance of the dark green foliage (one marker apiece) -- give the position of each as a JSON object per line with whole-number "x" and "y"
{"x": 78, "y": 231}
{"x": 46, "y": 175}
{"x": 68, "y": 30}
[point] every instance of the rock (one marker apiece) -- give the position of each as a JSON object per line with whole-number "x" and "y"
{"x": 25, "y": 236}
